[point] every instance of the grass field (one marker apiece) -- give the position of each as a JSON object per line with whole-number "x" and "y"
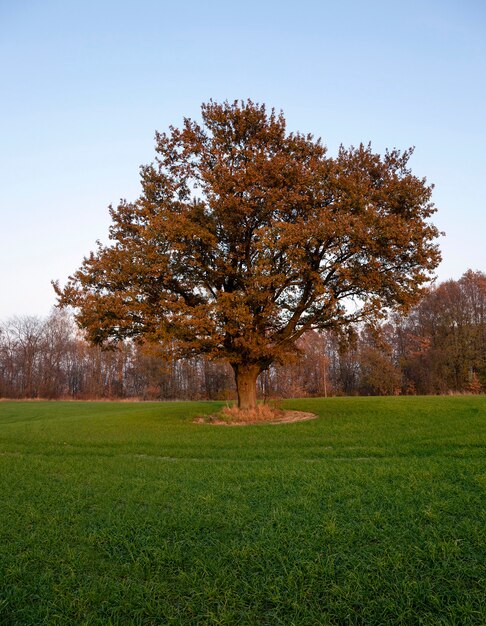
{"x": 129, "y": 513}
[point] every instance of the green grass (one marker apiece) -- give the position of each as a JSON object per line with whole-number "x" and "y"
{"x": 131, "y": 514}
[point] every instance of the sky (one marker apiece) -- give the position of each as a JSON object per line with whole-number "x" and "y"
{"x": 85, "y": 85}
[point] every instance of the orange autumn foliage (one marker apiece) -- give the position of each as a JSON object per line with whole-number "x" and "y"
{"x": 245, "y": 237}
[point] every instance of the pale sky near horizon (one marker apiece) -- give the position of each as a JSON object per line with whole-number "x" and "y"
{"x": 86, "y": 84}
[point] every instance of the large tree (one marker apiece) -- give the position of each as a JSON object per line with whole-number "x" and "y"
{"x": 245, "y": 237}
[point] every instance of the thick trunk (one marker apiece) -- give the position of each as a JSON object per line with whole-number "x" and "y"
{"x": 246, "y": 378}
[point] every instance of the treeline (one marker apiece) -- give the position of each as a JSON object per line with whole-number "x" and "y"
{"x": 439, "y": 347}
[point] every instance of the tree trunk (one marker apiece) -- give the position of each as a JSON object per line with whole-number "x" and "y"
{"x": 246, "y": 378}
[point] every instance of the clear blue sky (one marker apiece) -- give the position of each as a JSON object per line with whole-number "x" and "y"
{"x": 86, "y": 84}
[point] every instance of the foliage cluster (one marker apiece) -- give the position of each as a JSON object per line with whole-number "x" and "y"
{"x": 245, "y": 237}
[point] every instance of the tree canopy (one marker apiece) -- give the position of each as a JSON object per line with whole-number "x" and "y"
{"x": 245, "y": 236}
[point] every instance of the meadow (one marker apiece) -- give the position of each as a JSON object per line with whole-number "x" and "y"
{"x": 129, "y": 513}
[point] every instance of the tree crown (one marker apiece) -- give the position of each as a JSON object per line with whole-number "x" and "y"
{"x": 245, "y": 236}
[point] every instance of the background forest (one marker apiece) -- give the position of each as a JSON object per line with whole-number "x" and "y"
{"x": 438, "y": 348}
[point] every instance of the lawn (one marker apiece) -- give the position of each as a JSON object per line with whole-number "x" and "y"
{"x": 128, "y": 513}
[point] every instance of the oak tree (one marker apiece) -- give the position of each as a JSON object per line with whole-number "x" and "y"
{"x": 246, "y": 236}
